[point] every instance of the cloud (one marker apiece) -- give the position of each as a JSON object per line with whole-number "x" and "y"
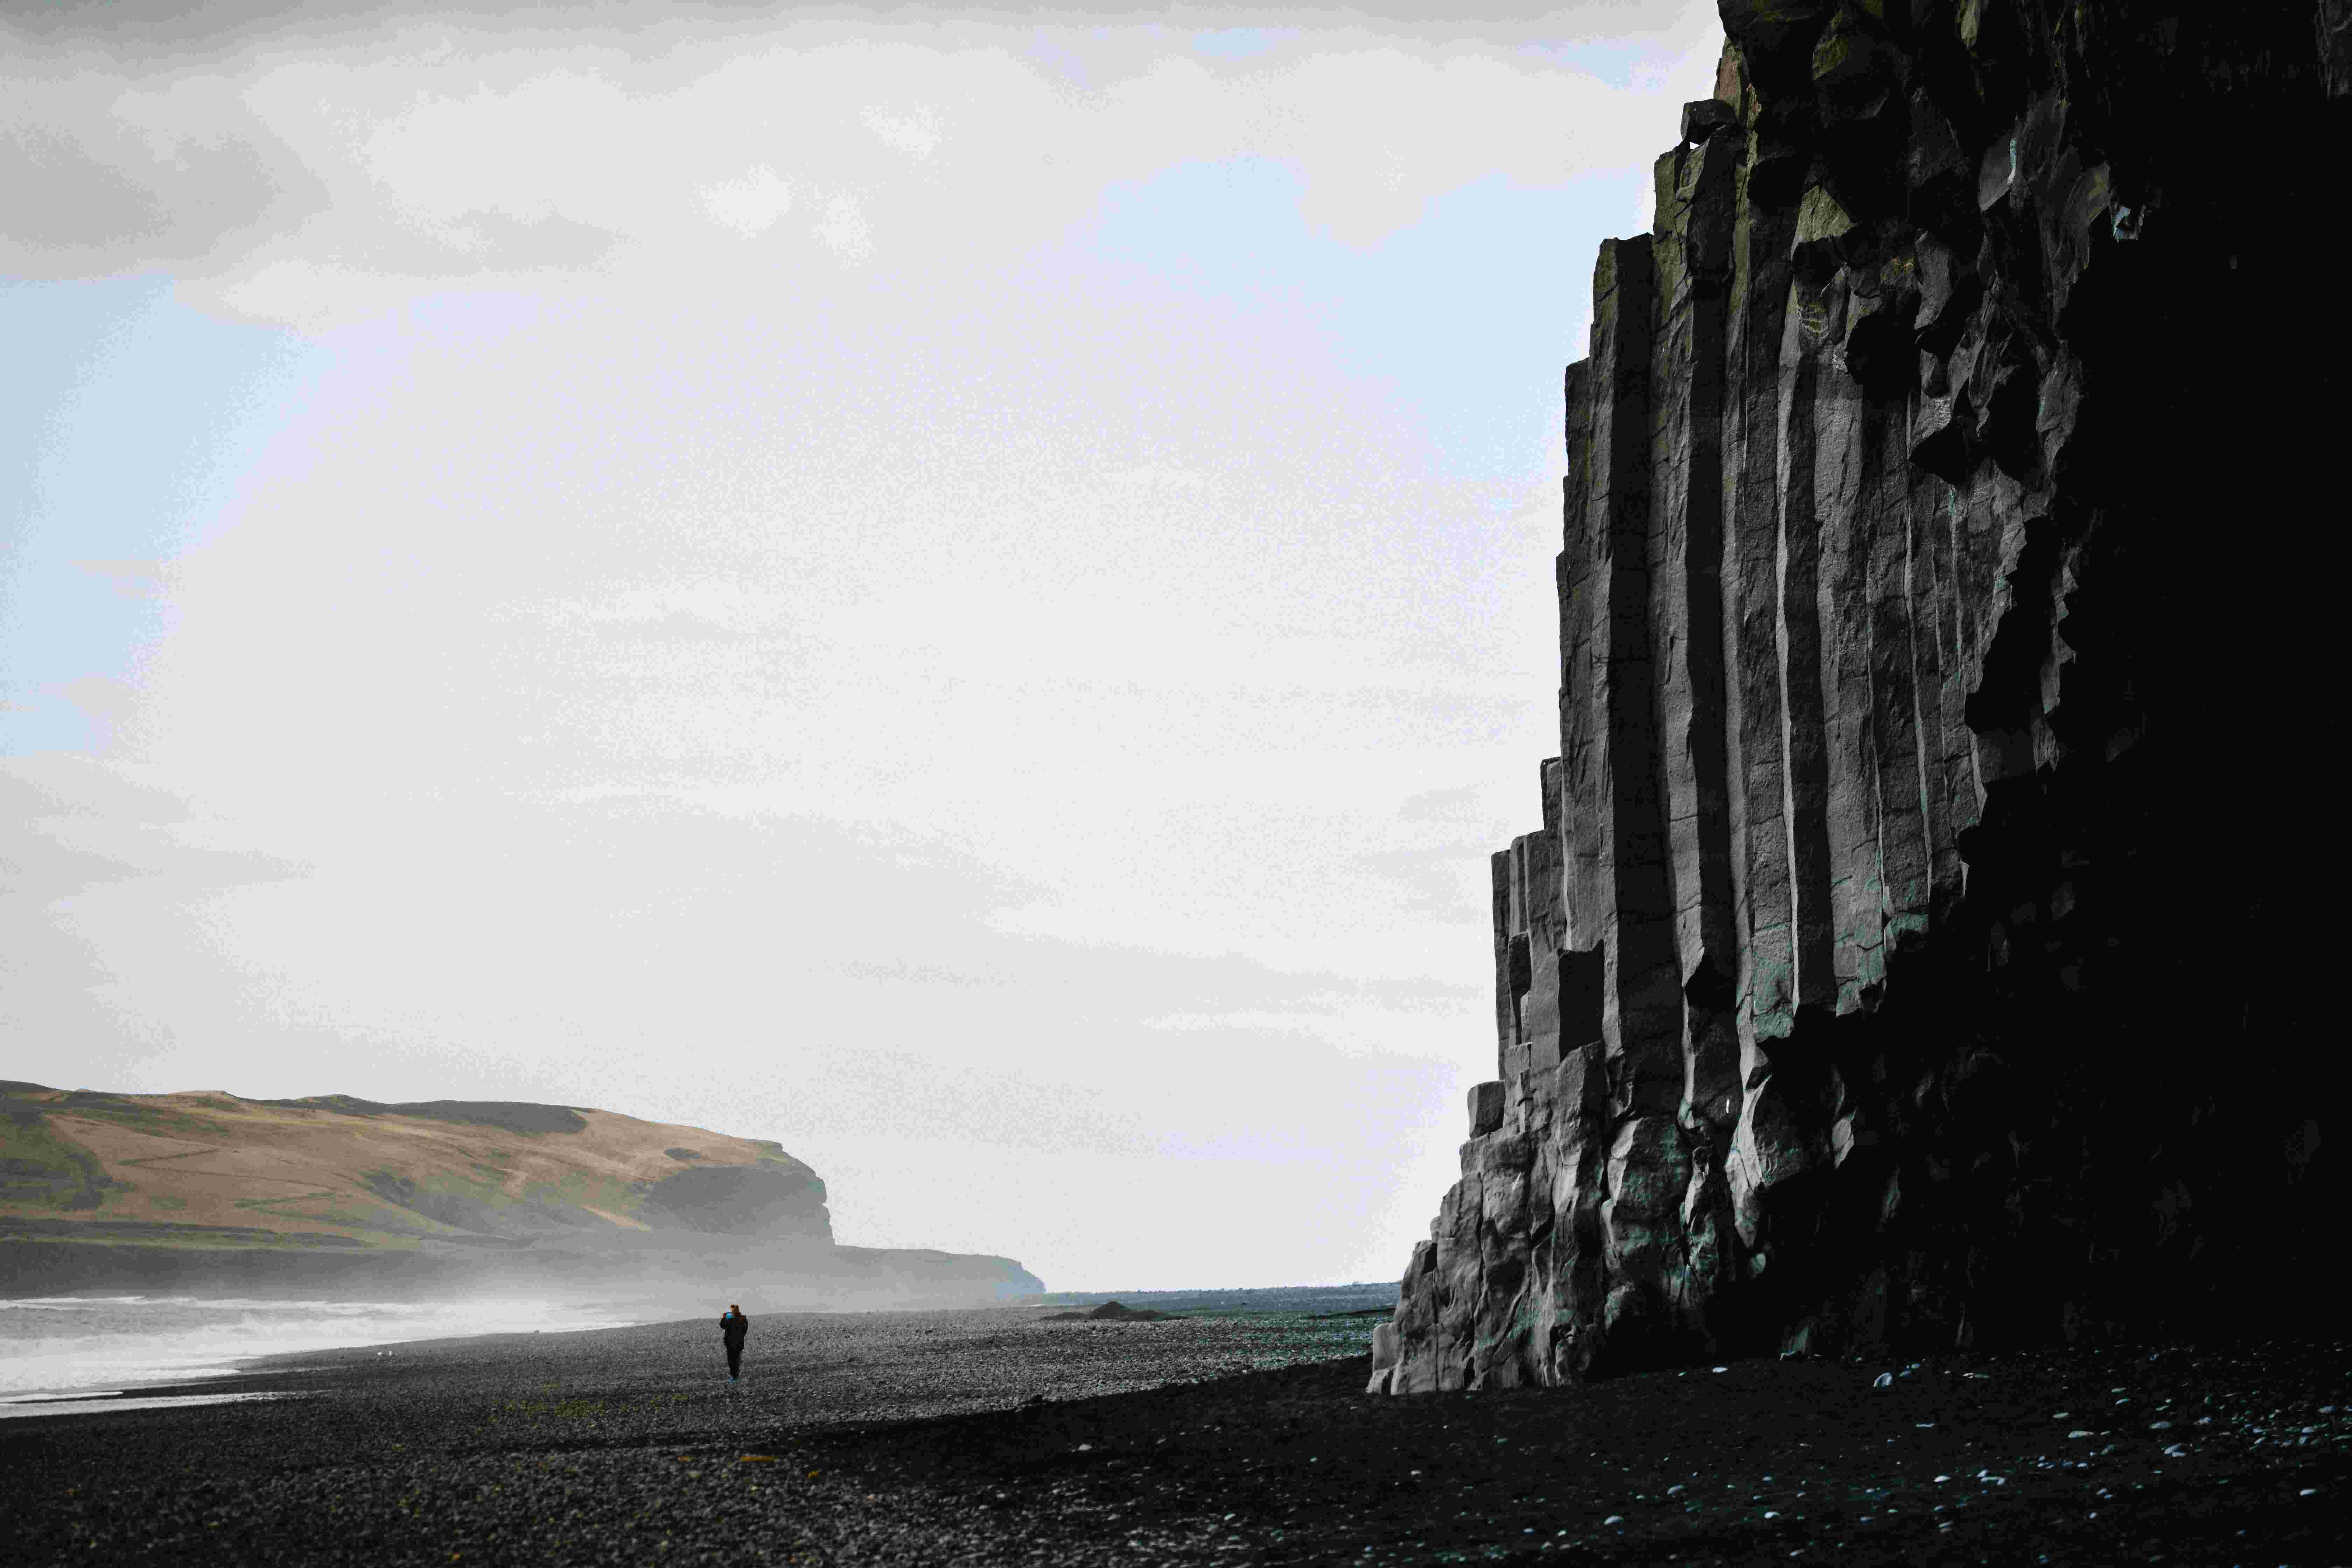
{"x": 709, "y": 607}
{"x": 890, "y": 580}
{"x": 134, "y": 580}
{"x": 111, "y": 170}
{"x": 751, "y": 205}
{"x": 70, "y": 824}
{"x": 166, "y": 29}
{"x": 110, "y": 702}
{"x": 916, "y": 134}
{"x": 1160, "y": 476}
{"x": 843, "y": 228}
{"x": 318, "y": 177}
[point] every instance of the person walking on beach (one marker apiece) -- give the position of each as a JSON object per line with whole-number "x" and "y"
{"x": 732, "y": 1326}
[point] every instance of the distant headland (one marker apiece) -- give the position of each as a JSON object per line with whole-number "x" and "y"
{"x": 207, "y": 1190}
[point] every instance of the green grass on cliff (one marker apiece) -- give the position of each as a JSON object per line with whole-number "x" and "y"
{"x": 161, "y": 1232}
{"x": 163, "y": 1122}
{"x": 580, "y": 1189}
{"x": 41, "y": 1168}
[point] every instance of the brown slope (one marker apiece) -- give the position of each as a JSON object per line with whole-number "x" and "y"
{"x": 209, "y": 1169}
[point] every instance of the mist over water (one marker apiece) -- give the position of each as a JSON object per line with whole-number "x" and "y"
{"x": 58, "y": 1344}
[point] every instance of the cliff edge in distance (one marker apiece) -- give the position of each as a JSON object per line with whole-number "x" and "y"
{"x": 1913, "y": 950}
{"x": 209, "y": 1190}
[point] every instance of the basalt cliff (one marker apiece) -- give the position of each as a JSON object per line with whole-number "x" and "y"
{"x": 1925, "y": 941}
{"x": 215, "y": 1192}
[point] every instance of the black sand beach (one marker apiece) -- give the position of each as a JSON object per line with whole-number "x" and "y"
{"x": 991, "y": 1437}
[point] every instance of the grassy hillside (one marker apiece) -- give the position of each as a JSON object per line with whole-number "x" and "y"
{"x": 211, "y": 1170}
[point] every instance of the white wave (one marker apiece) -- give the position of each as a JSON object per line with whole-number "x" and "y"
{"x": 93, "y": 1404}
{"x": 78, "y": 1344}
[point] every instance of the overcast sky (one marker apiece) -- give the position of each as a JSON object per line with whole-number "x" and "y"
{"x": 969, "y": 593}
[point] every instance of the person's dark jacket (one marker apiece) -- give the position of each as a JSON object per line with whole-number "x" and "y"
{"x": 734, "y": 1326}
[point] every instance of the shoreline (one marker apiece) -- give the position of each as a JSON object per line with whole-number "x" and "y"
{"x": 265, "y": 1373}
{"x": 205, "y": 1381}
{"x": 181, "y": 1346}
{"x": 166, "y": 1397}
{"x": 994, "y": 1436}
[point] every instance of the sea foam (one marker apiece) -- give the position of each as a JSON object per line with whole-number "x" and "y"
{"x": 58, "y": 1344}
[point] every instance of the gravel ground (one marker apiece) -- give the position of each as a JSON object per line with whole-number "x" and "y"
{"x": 993, "y": 1438}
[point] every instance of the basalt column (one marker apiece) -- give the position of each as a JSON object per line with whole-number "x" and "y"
{"x": 1923, "y": 940}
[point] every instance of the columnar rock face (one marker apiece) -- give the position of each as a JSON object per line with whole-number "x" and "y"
{"x": 1925, "y": 944}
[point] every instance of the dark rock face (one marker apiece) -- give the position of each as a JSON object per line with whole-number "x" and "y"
{"x": 1906, "y": 955}
{"x": 775, "y": 1200}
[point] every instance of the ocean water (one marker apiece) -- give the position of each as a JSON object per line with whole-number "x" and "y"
{"x": 60, "y": 1344}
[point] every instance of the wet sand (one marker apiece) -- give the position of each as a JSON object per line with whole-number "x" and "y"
{"x": 995, "y": 1438}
